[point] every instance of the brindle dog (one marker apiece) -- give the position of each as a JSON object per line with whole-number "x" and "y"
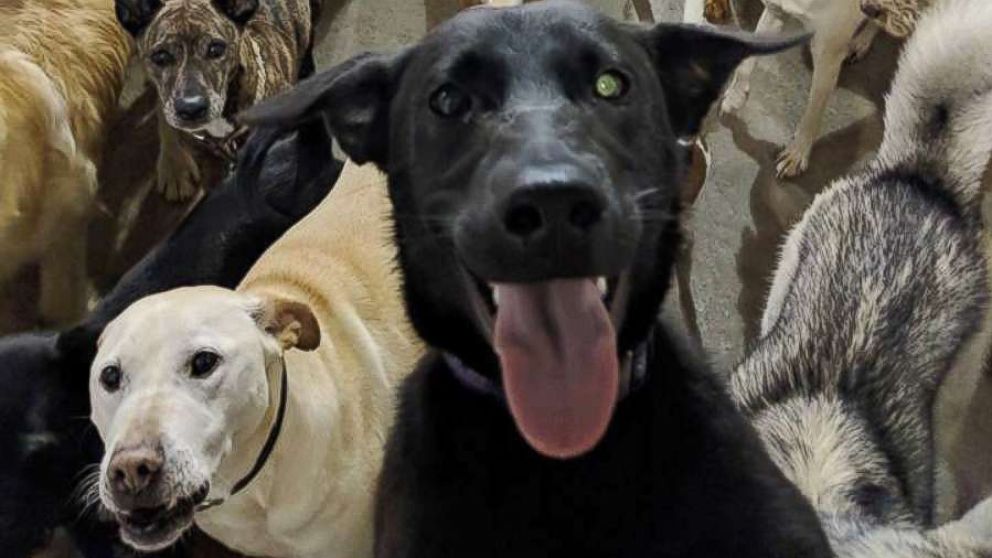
{"x": 209, "y": 59}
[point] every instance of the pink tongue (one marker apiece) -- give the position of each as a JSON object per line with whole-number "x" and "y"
{"x": 558, "y": 352}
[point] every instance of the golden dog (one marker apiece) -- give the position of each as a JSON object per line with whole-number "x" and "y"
{"x": 62, "y": 64}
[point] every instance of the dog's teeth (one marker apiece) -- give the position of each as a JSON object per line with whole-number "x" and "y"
{"x": 601, "y": 283}
{"x": 495, "y": 293}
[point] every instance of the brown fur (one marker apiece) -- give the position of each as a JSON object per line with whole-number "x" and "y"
{"x": 262, "y": 57}
{"x": 62, "y": 63}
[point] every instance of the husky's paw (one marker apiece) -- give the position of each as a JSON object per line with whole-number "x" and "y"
{"x": 793, "y": 160}
{"x": 178, "y": 175}
{"x": 734, "y": 99}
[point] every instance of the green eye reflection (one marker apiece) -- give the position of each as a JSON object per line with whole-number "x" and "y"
{"x": 609, "y": 85}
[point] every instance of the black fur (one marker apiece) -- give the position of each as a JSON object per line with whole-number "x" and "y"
{"x": 680, "y": 471}
{"x": 45, "y": 434}
{"x": 135, "y": 15}
{"x": 239, "y": 11}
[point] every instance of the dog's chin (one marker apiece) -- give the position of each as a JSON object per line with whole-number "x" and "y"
{"x": 154, "y": 529}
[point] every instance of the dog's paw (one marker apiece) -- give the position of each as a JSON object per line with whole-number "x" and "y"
{"x": 793, "y": 160}
{"x": 733, "y": 100}
{"x": 178, "y": 178}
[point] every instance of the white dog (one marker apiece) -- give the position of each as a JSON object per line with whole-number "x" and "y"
{"x": 208, "y": 413}
{"x": 843, "y": 30}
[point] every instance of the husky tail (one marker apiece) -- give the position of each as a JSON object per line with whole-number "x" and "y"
{"x": 938, "y": 119}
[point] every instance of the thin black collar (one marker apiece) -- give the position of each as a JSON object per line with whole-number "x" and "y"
{"x": 633, "y": 374}
{"x": 263, "y": 456}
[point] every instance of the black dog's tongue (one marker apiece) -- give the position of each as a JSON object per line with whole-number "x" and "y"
{"x": 557, "y": 348}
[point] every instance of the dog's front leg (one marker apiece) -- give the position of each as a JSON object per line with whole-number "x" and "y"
{"x": 177, "y": 173}
{"x": 829, "y": 51}
{"x": 736, "y": 95}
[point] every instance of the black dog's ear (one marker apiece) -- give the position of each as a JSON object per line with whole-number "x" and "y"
{"x": 695, "y": 62}
{"x": 239, "y": 11}
{"x": 353, "y": 99}
{"x": 135, "y": 15}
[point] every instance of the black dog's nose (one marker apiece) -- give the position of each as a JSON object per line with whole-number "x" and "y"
{"x": 192, "y": 107}
{"x": 544, "y": 207}
{"x": 133, "y": 470}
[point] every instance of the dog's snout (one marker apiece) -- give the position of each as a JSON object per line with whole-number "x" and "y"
{"x": 192, "y": 108}
{"x": 132, "y": 470}
{"x": 571, "y": 208}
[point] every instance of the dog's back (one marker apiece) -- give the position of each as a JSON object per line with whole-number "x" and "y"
{"x": 339, "y": 261}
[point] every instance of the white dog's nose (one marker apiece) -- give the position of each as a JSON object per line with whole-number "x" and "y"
{"x": 132, "y": 470}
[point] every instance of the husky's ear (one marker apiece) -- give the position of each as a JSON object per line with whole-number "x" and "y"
{"x": 694, "y": 63}
{"x": 353, "y": 99}
{"x": 291, "y": 323}
{"x": 239, "y": 11}
{"x": 135, "y": 15}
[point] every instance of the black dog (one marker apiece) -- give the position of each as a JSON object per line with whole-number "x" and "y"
{"x": 45, "y": 436}
{"x": 534, "y": 160}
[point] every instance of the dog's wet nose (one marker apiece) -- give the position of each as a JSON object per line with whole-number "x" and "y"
{"x": 133, "y": 470}
{"x": 549, "y": 207}
{"x": 192, "y": 108}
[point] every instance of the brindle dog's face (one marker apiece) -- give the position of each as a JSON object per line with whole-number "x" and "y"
{"x": 534, "y": 159}
{"x": 189, "y": 49}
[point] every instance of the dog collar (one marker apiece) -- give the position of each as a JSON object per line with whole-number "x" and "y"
{"x": 263, "y": 456}
{"x": 633, "y": 373}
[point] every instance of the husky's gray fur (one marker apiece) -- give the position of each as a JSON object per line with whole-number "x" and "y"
{"x": 880, "y": 292}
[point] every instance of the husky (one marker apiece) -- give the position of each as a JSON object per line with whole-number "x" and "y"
{"x": 880, "y": 293}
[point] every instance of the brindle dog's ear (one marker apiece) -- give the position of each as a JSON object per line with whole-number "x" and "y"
{"x": 239, "y": 11}
{"x": 135, "y": 15}
{"x": 353, "y": 98}
{"x": 695, "y": 62}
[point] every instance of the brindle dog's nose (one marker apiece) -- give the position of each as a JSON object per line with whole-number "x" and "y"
{"x": 132, "y": 470}
{"x": 553, "y": 205}
{"x": 192, "y": 108}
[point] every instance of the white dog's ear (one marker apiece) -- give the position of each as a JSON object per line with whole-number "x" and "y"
{"x": 291, "y": 323}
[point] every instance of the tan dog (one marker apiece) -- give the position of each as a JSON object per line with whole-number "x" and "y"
{"x": 209, "y": 59}
{"x": 186, "y": 391}
{"x": 61, "y": 70}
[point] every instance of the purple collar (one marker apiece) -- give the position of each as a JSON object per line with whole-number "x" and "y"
{"x": 632, "y": 376}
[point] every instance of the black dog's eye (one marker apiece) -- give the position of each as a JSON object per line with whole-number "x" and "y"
{"x": 110, "y": 378}
{"x": 450, "y": 102}
{"x": 216, "y": 48}
{"x": 162, "y": 58}
{"x": 203, "y": 364}
{"x": 610, "y": 85}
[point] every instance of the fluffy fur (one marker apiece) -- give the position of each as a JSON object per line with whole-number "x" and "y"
{"x": 45, "y": 439}
{"x": 841, "y": 32}
{"x": 333, "y": 274}
{"x": 881, "y": 292}
{"x": 221, "y": 56}
{"x": 62, "y": 63}
{"x": 499, "y": 102}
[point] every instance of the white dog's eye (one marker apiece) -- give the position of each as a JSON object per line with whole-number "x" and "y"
{"x": 110, "y": 378}
{"x": 203, "y": 363}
